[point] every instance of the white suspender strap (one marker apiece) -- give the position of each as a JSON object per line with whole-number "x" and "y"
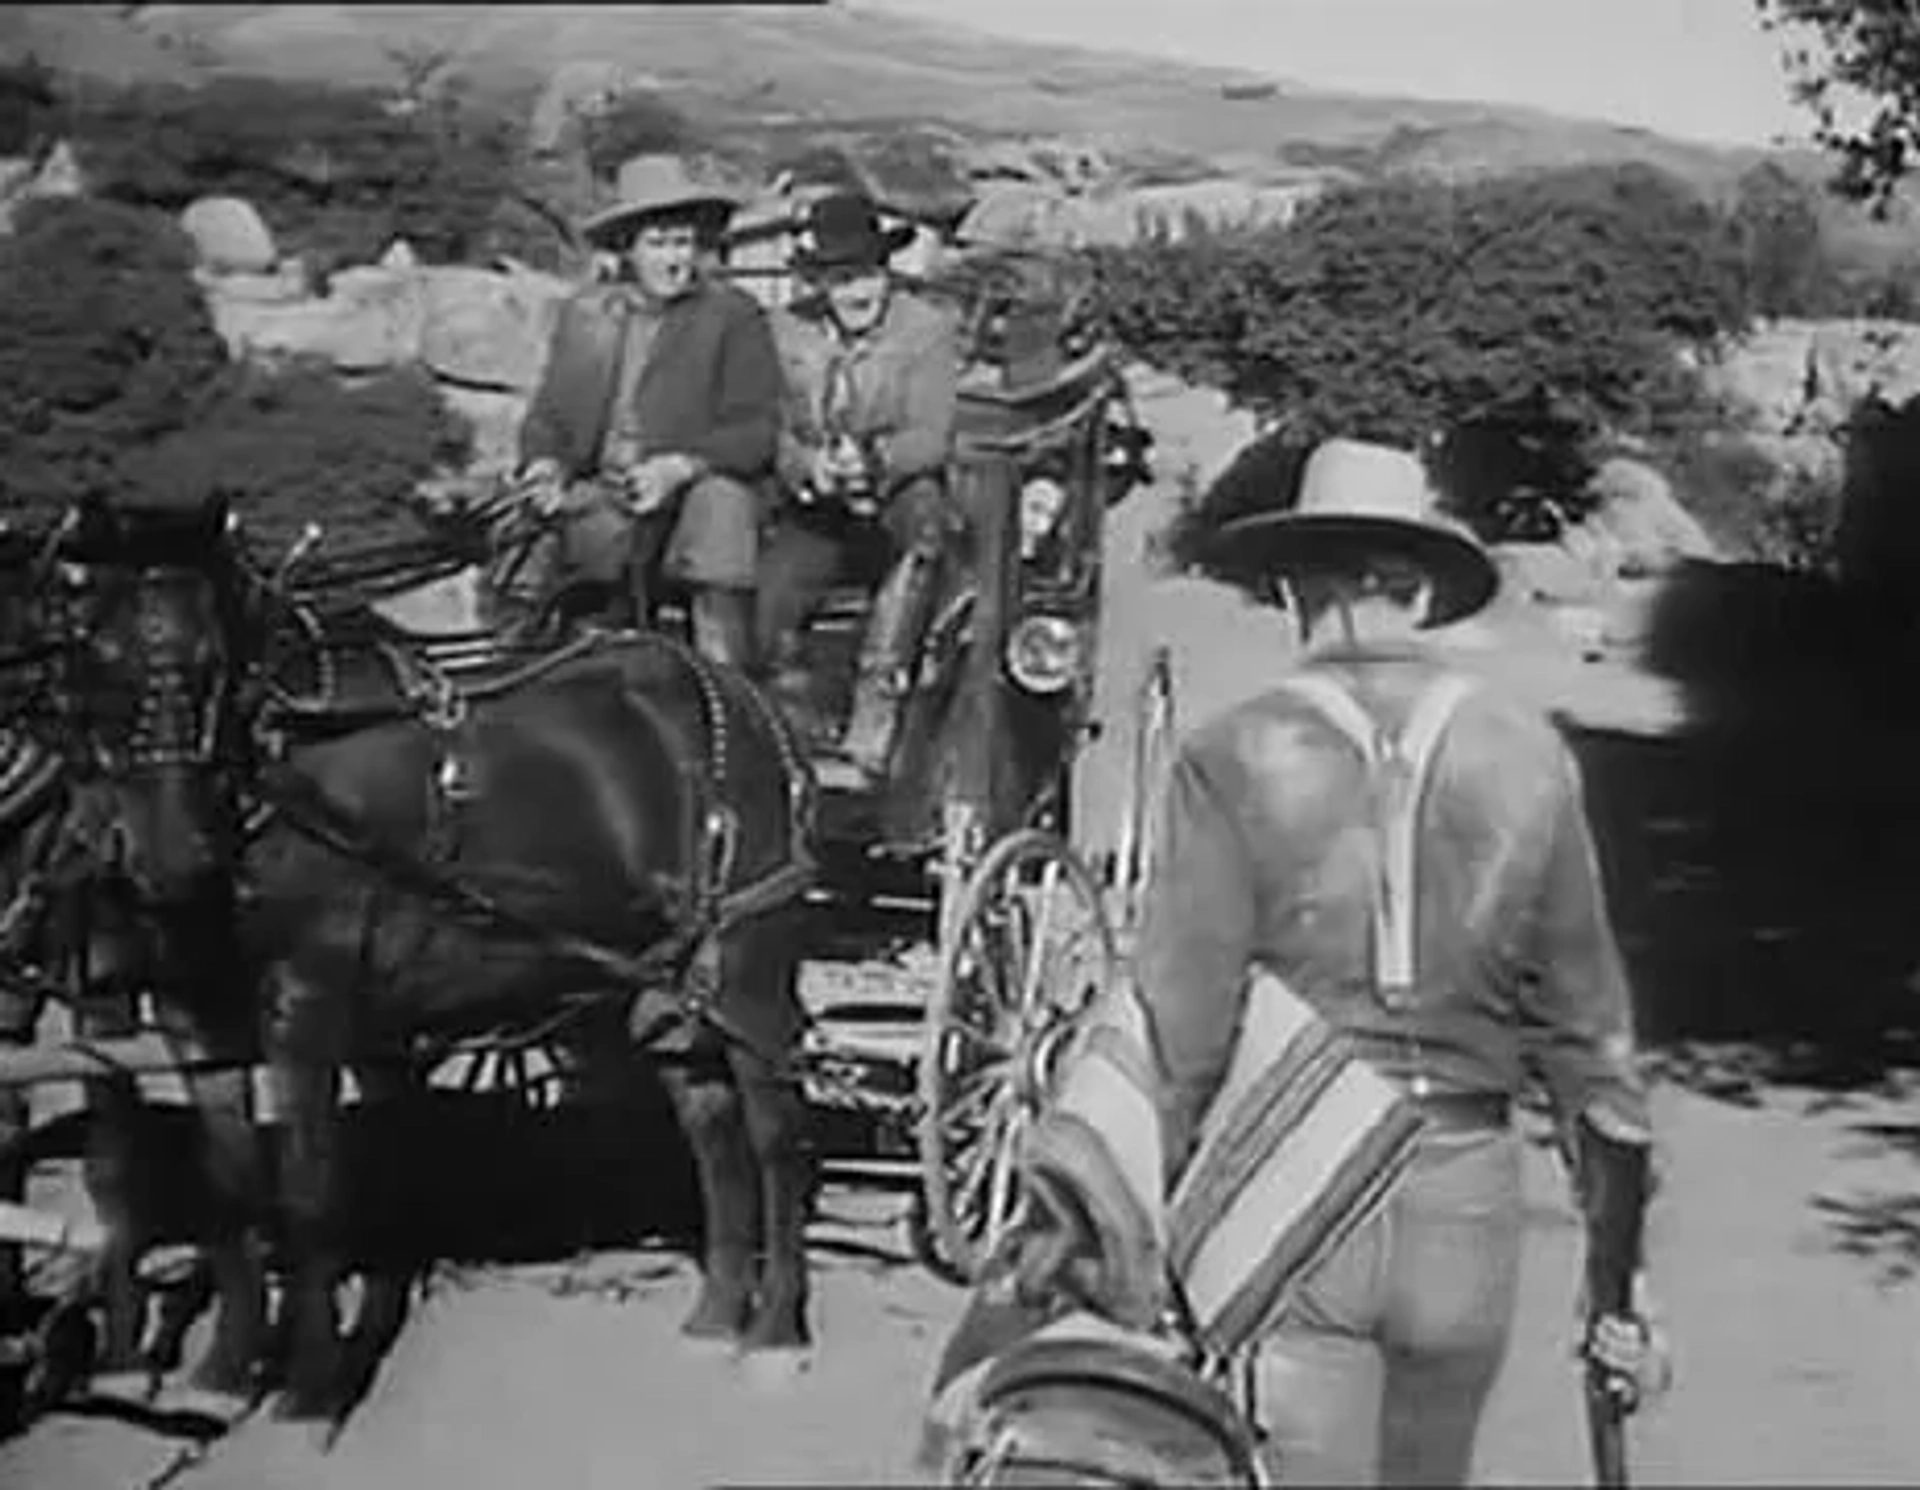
{"x": 1398, "y": 764}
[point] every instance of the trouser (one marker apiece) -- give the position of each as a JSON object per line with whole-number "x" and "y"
{"x": 1381, "y": 1372}
{"x": 803, "y": 560}
{"x": 708, "y": 538}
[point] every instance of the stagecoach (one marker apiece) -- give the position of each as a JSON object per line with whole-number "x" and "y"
{"x": 952, "y": 883}
{"x": 968, "y": 846}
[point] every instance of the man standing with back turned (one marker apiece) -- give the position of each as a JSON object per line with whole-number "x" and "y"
{"x": 1455, "y": 930}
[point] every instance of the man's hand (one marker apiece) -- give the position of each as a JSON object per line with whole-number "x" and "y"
{"x": 1048, "y": 1249}
{"x": 1633, "y": 1353}
{"x": 655, "y": 480}
{"x": 542, "y": 485}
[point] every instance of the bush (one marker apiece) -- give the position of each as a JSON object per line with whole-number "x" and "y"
{"x": 114, "y": 382}
{"x": 337, "y": 173}
{"x": 297, "y": 445}
{"x": 1547, "y": 308}
{"x": 105, "y": 346}
{"x": 29, "y": 107}
{"x": 637, "y": 123}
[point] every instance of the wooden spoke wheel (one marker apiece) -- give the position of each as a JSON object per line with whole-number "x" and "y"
{"x": 1029, "y": 944}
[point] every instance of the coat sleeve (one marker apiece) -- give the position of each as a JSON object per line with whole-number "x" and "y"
{"x": 932, "y": 379}
{"x": 748, "y": 388}
{"x": 1577, "y": 1008}
{"x": 1196, "y": 944}
{"x": 544, "y": 433}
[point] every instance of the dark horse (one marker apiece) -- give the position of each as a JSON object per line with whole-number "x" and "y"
{"x": 603, "y": 845}
{"x": 102, "y": 901}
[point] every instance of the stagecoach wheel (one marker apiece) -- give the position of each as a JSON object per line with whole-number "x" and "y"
{"x": 1028, "y": 945}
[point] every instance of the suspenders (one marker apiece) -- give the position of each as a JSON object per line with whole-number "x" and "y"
{"x": 1398, "y": 764}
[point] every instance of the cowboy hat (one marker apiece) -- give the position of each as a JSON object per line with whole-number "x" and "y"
{"x": 1360, "y": 500}
{"x": 650, "y": 186}
{"x": 843, "y": 231}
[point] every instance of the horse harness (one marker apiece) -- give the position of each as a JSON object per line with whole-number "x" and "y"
{"x": 685, "y": 965}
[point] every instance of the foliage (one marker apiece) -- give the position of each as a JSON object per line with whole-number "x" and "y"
{"x": 297, "y": 444}
{"x": 1537, "y": 310}
{"x": 337, "y": 173}
{"x": 114, "y": 382}
{"x": 1778, "y": 234}
{"x": 635, "y": 123}
{"x": 1862, "y": 52}
{"x": 105, "y": 345}
{"x": 29, "y": 106}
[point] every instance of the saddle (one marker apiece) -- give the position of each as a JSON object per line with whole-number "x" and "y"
{"x": 1081, "y": 1403}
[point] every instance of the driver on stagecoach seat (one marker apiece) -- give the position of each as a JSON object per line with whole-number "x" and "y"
{"x": 872, "y": 374}
{"x": 660, "y": 398}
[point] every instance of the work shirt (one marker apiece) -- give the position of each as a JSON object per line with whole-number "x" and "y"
{"x": 641, "y": 321}
{"x": 894, "y": 387}
{"x": 1267, "y": 856}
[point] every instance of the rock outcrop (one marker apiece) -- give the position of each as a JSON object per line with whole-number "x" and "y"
{"x": 482, "y": 333}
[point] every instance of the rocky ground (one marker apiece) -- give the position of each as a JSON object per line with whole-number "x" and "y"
{"x": 1761, "y": 921}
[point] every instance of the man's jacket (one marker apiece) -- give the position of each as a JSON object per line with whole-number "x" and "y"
{"x": 1267, "y": 858}
{"x": 711, "y": 387}
{"x": 896, "y": 387}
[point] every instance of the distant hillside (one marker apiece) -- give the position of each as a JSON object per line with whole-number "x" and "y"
{"x": 759, "y": 71}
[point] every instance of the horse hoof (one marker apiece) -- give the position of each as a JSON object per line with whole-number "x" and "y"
{"x": 191, "y": 1399}
{"x": 715, "y": 1320}
{"x": 775, "y": 1370}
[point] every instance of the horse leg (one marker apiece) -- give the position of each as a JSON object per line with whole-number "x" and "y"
{"x": 235, "y": 1269}
{"x": 707, "y": 1104}
{"x": 305, "y": 1043}
{"x": 387, "y": 1264}
{"x": 111, "y": 1171}
{"x": 764, "y": 978}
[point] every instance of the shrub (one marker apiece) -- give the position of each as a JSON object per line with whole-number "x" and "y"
{"x": 113, "y": 381}
{"x": 337, "y": 173}
{"x": 105, "y": 346}
{"x": 1546, "y": 308}
{"x": 296, "y": 445}
{"x": 635, "y": 123}
{"x": 29, "y": 106}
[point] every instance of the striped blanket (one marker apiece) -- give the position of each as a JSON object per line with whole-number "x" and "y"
{"x": 1301, "y": 1145}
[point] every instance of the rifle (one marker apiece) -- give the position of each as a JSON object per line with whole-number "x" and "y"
{"x": 1613, "y": 1177}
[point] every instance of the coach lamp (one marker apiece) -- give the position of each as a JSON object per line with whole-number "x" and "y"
{"x": 1045, "y": 653}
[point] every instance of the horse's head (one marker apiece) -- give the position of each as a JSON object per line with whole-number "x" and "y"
{"x": 158, "y": 642}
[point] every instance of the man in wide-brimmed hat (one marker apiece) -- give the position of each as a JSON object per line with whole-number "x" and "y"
{"x": 872, "y": 374}
{"x": 658, "y": 410}
{"x": 1407, "y": 849}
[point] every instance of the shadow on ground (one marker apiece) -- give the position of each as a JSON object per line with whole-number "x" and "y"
{"x": 1763, "y": 865}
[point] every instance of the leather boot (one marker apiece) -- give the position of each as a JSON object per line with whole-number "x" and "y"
{"x": 886, "y": 661}
{"x": 723, "y": 626}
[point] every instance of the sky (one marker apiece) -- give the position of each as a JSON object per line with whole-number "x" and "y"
{"x": 1700, "y": 69}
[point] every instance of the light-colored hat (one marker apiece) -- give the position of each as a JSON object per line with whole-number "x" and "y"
{"x": 654, "y": 185}
{"x": 1359, "y": 500}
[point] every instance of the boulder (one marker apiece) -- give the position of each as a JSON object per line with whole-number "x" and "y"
{"x": 230, "y": 236}
{"x": 371, "y": 321}
{"x": 488, "y": 330}
{"x": 281, "y": 285}
{"x": 1546, "y": 573}
{"x": 495, "y": 417}
{"x": 1641, "y": 522}
{"x": 59, "y": 174}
